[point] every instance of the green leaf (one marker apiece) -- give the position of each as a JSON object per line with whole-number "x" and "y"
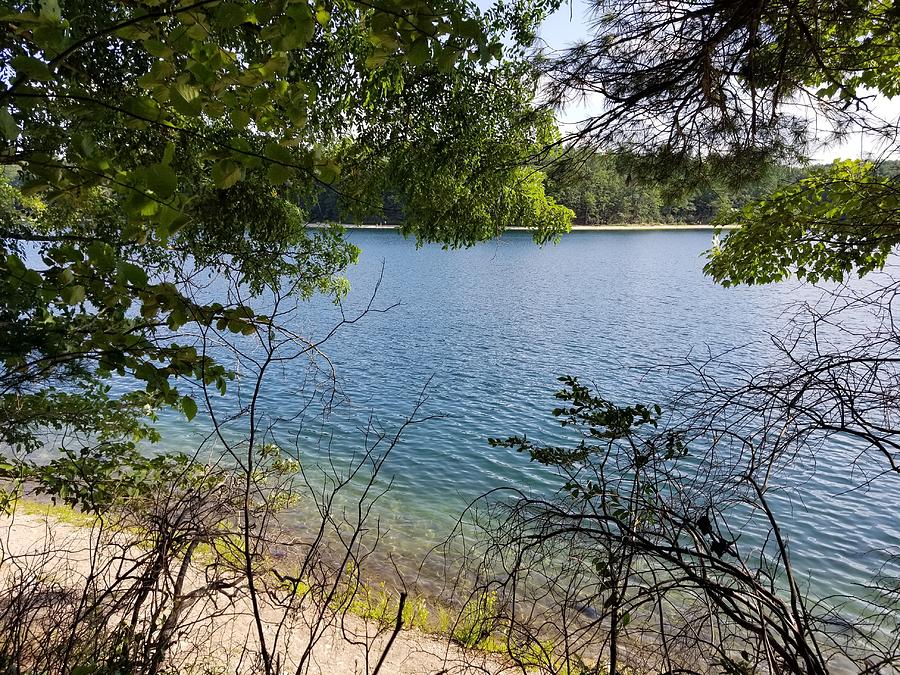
{"x": 19, "y": 17}
{"x": 101, "y": 255}
{"x": 278, "y": 173}
{"x": 141, "y": 107}
{"x": 158, "y": 49}
{"x": 168, "y": 153}
{"x": 240, "y": 119}
{"x": 162, "y": 180}
{"x": 8, "y": 125}
{"x": 229, "y": 14}
{"x": 186, "y": 99}
{"x": 72, "y": 295}
{"x": 279, "y": 153}
{"x": 377, "y": 58}
{"x": 133, "y": 32}
{"x": 448, "y": 58}
{"x": 418, "y": 53}
{"x": 226, "y": 173}
{"x": 133, "y": 274}
{"x": 304, "y": 22}
{"x": 471, "y": 29}
{"x": 199, "y": 31}
{"x": 329, "y": 171}
{"x": 278, "y": 64}
{"x": 189, "y": 407}
{"x": 33, "y": 68}
{"x": 50, "y": 10}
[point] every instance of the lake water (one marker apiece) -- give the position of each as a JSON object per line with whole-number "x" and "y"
{"x": 491, "y": 328}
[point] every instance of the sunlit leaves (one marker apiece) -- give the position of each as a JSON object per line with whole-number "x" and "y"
{"x": 186, "y": 99}
{"x": 189, "y": 406}
{"x": 200, "y": 68}
{"x": 226, "y": 173}
{"x": 198, "y": 61}
{"x": 154, "y": 143}
{"x": 835, "y": 222}
{"x": 463, "y": 179}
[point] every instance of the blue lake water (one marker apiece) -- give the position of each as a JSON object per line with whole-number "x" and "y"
{"x": 491, "y": 328}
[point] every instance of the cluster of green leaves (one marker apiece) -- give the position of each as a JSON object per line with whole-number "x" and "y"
{"x": 454, "y": 149}
{"x": 838, "y": 220}
{"x": 859, "y": 48}
{"x": 266, "y": 92}
{"x": 147, "y": 144}
{"x": 601, "y": 423}
{"x": 94, "y": 479}
{"x": 78, "y": 309}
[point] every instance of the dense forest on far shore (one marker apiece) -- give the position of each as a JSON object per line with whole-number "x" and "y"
{"x": 601, "y": 191}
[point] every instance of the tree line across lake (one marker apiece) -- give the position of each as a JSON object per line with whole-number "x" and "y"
{"x": 603, "y": 190}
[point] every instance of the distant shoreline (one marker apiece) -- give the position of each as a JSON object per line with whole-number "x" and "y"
{"x": 644, "y": 226}
{"x": 624, "y": 227}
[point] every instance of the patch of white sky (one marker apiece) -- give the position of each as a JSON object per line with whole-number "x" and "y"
{"x": 571, "y": 24}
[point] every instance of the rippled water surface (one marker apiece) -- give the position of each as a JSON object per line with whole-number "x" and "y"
{"x": 492, "y": 327}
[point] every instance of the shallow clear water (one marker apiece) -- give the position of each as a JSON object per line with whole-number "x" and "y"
{"x": 492, "y": 327}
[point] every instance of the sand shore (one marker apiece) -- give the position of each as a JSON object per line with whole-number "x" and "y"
{"x": 33, "y": 543}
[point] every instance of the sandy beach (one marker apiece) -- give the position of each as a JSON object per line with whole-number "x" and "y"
{"x": 41, "y": 547}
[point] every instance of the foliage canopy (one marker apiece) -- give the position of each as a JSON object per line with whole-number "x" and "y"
{"x": 149, "y": 145}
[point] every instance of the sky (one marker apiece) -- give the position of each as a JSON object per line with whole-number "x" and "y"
{"x": 571, "y": 23}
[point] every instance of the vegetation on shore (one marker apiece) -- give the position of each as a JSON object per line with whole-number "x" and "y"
{"x": 605, "y": 190}
{"x": 474, "y": 625}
